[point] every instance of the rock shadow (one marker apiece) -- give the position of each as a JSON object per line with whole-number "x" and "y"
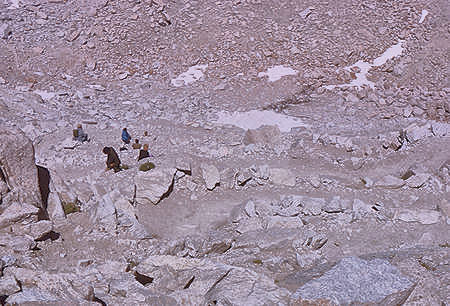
{"x": 44, "y": 188}
{"x": 169, "y": 191}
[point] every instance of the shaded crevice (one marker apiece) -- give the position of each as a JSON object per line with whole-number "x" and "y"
{"x": 168, "y": 192}
{"x": 2, "y": 175}
{"x": 3, "y": 299}
{"x": 143, "y": 279}
{"x": 218, "y": 281}
{"x": 44, "y": 188}
{"x": 187, "y": 172}
{"x": 3, "y": 178}
{"x": 96, "y": 299}
{"x": 52, "y": 235}
{"x": 189, "y": 283}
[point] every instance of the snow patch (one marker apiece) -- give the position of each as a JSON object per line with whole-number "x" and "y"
{"x": 422, "y": 17}
{"x": 193, "y": 74}
{"x": 45, "y": 95}
{"x": 256, "y": 118}
{"x": 390, "y": 53}
{"x": 277, "y": 72}
{"x": 364, "y": 67}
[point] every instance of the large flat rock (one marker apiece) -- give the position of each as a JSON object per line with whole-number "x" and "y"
{"x": 356, "y": 281}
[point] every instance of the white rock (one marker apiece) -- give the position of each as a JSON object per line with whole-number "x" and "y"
{"x": 249, "y": 225}
{"x": 361, "y": 208}
{"x": 105, "y": 212}
{"x": 5, "y": 31}
{"x": 444, "y": 207}
{"x": 266, "y": 134}
{"x": 306, "y": 12}
{"x": 31, "y": 296}
{"x": 424, "y": 216}
{"x": 418, "y": 180}
{"x": 19, "y": 166}
{"x": 17, "y": 243}
{"x": 97, "y": 87}
{"x": 211, "y": 176}
{"x": 280, "y": 176}
{"x": 284, "y": 222}
{"x": 335, "y": 205}
{"x": 54, "y": 207}
{"x": 183, "y": 165}
{"x": 152, "y": 185}
{"x": 17, "y": 212}
{"x": 3, "y": 188}
{"x": 427, "y": 239}
{"x": 440, "y": 129}
{"x": 415, "y": 132}
{"x": 250, "y": 209}
{"x": 315, "y": 181}
{"x": 313, "y": 206}
{"x": 39, "y": 229}
{"x": 123, "y": 76}
{"x": 8, "y": 285}
{"x": 390, "y": 182}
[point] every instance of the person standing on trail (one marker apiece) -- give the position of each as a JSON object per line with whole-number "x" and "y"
{"x": 125, "y": 136}
{"x": 112, "y": 161}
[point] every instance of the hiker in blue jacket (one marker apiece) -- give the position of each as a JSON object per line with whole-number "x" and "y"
{"x": 125, "y": 136}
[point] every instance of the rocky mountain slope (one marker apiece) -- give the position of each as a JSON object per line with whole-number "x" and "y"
{"x": 301, "y": 152}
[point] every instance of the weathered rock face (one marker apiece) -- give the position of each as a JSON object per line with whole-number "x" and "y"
{"x": 204, "y": 281}
{"x": 354, "y": 281}
{"x": 211, "y": 176}
{"x": 18, "y": 167}
{"x": 17, "y": 212}
{"x": 152, "y": 185}
{"x": 281, "y": 176}
{"x": 424, "y": 216}
{"x": 266, "y": 134}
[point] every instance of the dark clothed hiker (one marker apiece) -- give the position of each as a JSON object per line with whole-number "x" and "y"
{"x": 112, "y": 161}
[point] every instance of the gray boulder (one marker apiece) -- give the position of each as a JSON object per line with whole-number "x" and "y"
{"x": 5, "y": 31}
{"x": 356, "y": 281}
{"x": 17, "y": 243}
{"x": 211, "y": 176}
{"x": 17, "y": 212}
{"x": 8, "y": 285}
{"x": 40, "y": 229}
{"x": 153, "y": 185}
{"x": 415, "y": 132}
{"x": 423, "y": 216}
{"x": 32, "y": 295}
{"x": 390, "y": 182}
{"x": 418, "y": 180}
{"x": 18, "y": 168}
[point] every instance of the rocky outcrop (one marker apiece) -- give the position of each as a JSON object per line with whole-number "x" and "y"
{"x": 204, "y": 281}
{"x": 17, "y": 212}
{"x": 152, "y": 186}
{"x": 18, "y": 168}
{"x": 211, "y": 176}
{"x": 356, "y": 281}
{"x": 266, "y": 134}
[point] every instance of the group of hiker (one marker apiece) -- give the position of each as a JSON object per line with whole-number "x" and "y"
{"x": 113, "y": 160}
